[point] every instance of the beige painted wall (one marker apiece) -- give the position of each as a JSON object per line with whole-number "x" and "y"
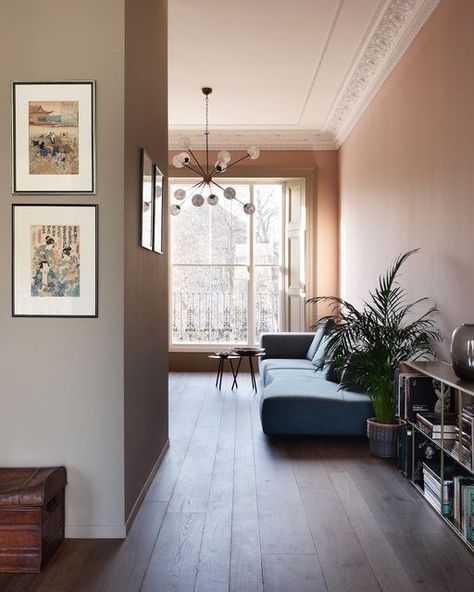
{"x": 407, "y": 174}
{"x": 62, "y": 379}
{"x": 146, "y": 273}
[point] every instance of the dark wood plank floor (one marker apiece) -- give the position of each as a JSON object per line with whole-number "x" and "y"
{"x": 234, "y": 510}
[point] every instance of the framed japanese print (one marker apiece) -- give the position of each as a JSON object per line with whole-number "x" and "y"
{"x": 54, "y": 260}
{"x": 147, "y": 201}
{"x": 158, "y": 212}
{"x": 53, "y": 137}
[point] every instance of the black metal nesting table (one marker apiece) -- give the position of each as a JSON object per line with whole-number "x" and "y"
{"x": 250, "y": 355}
{"x": 222, "y": 357}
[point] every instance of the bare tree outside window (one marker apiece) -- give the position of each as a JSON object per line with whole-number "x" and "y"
{"x": 218, "y": 287}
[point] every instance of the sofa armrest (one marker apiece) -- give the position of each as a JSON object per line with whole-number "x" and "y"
{"x": 286, "y": 345}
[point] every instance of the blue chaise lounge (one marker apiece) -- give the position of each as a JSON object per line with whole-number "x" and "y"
{"x": 299, "y": 399}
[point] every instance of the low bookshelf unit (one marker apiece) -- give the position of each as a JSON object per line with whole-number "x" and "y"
{"x": 436, "y": 445}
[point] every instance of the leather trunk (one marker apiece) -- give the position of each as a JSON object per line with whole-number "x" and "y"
{"x": 31, "y": 517}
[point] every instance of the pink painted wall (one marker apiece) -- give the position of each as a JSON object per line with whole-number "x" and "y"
{"x": 407, "y": 173}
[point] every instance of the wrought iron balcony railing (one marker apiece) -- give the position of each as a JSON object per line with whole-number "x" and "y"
{"x": 222, "y": 317}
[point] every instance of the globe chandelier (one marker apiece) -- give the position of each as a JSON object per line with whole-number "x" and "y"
{"x": 203, "y": 190}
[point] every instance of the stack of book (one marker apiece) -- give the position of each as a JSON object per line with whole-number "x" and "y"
{"x": 432, "y": 488}
{"x": 430, "y": 424}
{"x": 463, "y": 449}
{"x": 463, "y": 504}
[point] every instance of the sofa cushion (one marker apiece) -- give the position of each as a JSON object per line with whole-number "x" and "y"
{"x": 286, "y": 345}
{"x": 282, "y": 363}
{"x": 319, "y": 361}
{"x": 290, "y": 374}
{"x": 315, "y": 343}
{"x": 296, "y": 402}
{"x": 320, "y": 355}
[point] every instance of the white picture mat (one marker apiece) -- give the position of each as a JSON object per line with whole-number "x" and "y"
{"x": 82, "y": 182}
{"x": 147, "y": 197}
{"x": 24, "y": 218}
{"x": 158, "y": 213}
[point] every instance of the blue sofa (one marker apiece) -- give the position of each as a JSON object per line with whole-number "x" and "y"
{"x": 299, "y": 399}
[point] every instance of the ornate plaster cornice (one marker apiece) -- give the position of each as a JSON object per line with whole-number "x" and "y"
{"x": 264, "y": 139}
{"x": 390, "y": 38}
{"x": 399, "y": 25}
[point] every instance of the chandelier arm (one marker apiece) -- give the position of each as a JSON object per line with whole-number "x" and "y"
{"x": 235, "y": 162}
{"x": 198, "y": 184}
{"x": 196, "y": 160}
{"x": 190, "y": 191}
{"x": 188, "y": 166}
{"x": 217, "y": 185}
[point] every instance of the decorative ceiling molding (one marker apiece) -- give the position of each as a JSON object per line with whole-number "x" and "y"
{"x": 395, "y": 32}
{"x": 392, "y": 35}
{"x": 264, "y": 139}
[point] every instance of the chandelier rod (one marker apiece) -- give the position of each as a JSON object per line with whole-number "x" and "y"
{"x": 214, "y": 170}
{"x": 196, "y": 160}
{"x": 190, "y": 161}
{"x": 196, "y": 186}
{"x": 217, "y": 185}
{"x": 188, "y": 166}
{"x": 207, "y": 132}
{"x": 236, "y": 161}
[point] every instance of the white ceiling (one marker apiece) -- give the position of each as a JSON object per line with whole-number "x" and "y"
{"x": 286, "y": 74}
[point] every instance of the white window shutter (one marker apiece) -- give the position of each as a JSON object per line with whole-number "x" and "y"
{"x": 295, "y": 288}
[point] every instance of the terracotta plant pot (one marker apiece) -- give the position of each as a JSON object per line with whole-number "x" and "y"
{"x": 383, "y": 437}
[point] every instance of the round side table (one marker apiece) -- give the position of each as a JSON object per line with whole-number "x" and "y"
{"x": 250, "y": 355}
{"x": 220, "y": 368}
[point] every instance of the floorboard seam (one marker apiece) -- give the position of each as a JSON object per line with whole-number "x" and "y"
{"x": 209, "y": 493}
{"x": 233, "y": 493}
{"x": 251, "y": 403}
{"x": 379, "y": 583}
{"x": 171, "y": 496}
{"x": 307, "y": 520}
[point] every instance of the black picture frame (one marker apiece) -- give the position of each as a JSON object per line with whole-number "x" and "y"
{"x": 158, "y": 200}
{"x": 23, "y": 181}
{"x": 95, "y": 227}
{"x": 147, "y": 192}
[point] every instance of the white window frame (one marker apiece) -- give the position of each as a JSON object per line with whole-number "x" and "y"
{"x": 252, "y": 182}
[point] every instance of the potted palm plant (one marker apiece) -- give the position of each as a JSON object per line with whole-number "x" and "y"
{"x": 365, "y": 347}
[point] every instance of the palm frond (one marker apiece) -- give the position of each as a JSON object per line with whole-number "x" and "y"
{"x": 366, "y": 346}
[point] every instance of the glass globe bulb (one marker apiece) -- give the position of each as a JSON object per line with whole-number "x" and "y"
{"x": 253, "y": 152}
{"x": 180, "y": 194}
{"x": 212, "y": 199}
{"x": 177, "y": 162}
{"x": 220, "y": 166}
{"x": 184, "y": 157}
{"x": 224, "y": 156}
{"x": 229, "y": 192}
{"x": 249, "y": 208}
{"x": 185, "y": 142}
{"x": 197, "y": 200}
{"x": 175, "y": 209}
